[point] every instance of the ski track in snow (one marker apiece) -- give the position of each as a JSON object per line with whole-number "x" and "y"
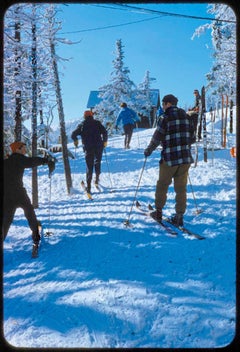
{"x": 98, "y": 283}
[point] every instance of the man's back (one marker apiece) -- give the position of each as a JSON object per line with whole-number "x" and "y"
{"x": 174, "y": 131}
{"x": 127, "y": 115}
{"x": 92, "y": 132}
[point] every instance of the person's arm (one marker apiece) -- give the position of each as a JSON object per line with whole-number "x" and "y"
{"x": 136, "y": 117}
{"x": 75, "y": 133}
{"x": 30, "y": 162}
{"x": 156, "y": 139}
{"x": 118, "y": 119}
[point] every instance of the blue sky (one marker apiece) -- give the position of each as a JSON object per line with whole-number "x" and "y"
{"x": 160, "y": 44}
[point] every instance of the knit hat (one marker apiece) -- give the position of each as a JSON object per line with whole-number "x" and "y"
{"x": 170, "y": 99}
{"x": 88, "y": 113}
{"x": 123, "y": 105}
{"x": 16, "y": 145}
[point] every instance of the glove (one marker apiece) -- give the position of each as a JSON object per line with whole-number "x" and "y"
{"x": 104, "y": 144}
{"x": 45, "y": 161}
{"x": 147, "y": 152}
{"x": 51, "y": 166}
{"x": 76, "y": 143}
{"x": 49, "y": 158}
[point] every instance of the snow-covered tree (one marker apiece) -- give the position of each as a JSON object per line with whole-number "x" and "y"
{"x": 16, "y": 70}
{"x": 31, "y": 72}
{"x": 19, "y": 75}
{"x": 222, "y": 78}
{"x": 143, "y": 103}
{"x": 119, "y": 89}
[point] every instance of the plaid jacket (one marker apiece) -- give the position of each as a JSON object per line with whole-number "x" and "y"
{"x": 173, "y": 132}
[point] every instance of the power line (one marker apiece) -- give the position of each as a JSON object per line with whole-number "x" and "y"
{"x": 125, "y": 7}
{"x": 110, "y": 26}
{"x": 145, "y": 10}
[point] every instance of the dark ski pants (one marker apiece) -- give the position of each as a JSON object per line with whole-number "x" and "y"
{"x": 93, "y": 158}
{"x": 19, "y": 199}
{"x": 179, "y": 175}
{"x": 195, "y": 122}
{"x": 128, "y": 130}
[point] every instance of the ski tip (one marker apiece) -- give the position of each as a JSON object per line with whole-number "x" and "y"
{"x": 127, "y": 223}
{"x": 150, "y": 207}
{"x": 48, "y": 234}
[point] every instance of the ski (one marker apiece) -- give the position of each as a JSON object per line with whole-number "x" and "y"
{"x": 231, "y": 116}
{"x": 89, "y": 196}
{"x": 184, "y": 230}
{"x": 203, "y": 100}
{"x": 198, "y": 134}
{"x": 161, "y": 223}
{"x": 195, "y": 154}
{"x": 98, "y": 187}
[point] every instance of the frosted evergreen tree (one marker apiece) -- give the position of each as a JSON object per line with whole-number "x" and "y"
{"x": 31, "y": 68}
{"x": 19, "y": 76}
{"x": 16, "y": 71}
{"x": 222, "y": 78}
{"x": 143, "y": 103}
{"x": 119, "y": 89}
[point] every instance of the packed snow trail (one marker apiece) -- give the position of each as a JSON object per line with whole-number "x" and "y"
{"x": 97, "y": 283}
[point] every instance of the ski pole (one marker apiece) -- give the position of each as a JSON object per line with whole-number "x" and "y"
{"x": 126, "y": 222}
{"x": 198, "y": 211}
{"x": 138, "y": 136}
{"x": 74, "y": 162}
{"x": 109, "y": 175}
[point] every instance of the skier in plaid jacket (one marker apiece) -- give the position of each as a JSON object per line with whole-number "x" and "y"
{"x": 174, "y": 133}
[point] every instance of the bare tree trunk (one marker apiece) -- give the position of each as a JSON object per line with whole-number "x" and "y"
{"x": 18, "y": 94}
{"x": 61, "y": 121}
{"x": 34, "y": 113}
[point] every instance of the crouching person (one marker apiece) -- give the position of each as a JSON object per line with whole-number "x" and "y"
{"x": 15, "y": 195}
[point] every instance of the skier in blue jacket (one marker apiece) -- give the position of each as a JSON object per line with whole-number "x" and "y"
{"x": 128, "y": 117}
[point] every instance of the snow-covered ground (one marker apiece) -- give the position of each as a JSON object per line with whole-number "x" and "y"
{"x": 98, "y": 283}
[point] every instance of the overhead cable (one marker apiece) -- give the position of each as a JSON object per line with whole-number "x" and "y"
{"x": 145, "y": 10}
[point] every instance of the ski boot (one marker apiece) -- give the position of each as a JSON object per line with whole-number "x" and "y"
{"x": 177, "y": 219}
{"x": 35, "y": 250}
{"x": 157, "y": 215}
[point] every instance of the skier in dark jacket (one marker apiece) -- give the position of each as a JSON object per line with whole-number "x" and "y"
{"x": 15, "y": 195}
{"x": 194, "y": 111}
{"x": 128, "y": 117}
{"x": 174, "y": 132}
{"x": 197, "y": 101}
{"x": 94, "y": 138}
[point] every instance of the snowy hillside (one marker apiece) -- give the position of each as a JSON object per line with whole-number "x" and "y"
{"x": 98, "y": 283}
